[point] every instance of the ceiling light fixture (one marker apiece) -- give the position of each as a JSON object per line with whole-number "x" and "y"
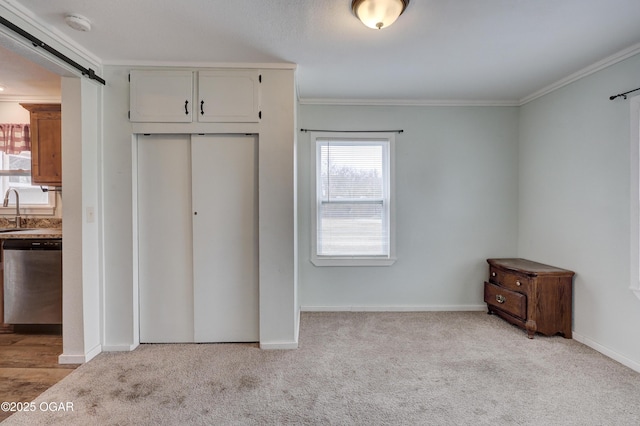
{"x": 78, "y": 22}
{"x": 378, "y": 14}
{"x": 2, "y": 88}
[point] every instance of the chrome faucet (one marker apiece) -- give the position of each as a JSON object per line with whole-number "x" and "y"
{"x": 6, "y": 204}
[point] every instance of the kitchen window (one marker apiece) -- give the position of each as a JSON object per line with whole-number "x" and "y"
{"x": 15, "y": 172}
{"x": 353, "y": 199}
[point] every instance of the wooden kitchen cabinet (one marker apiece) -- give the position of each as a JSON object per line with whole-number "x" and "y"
{"x": 206, "y": 96}
{"x": 531, "y": 295}
{"x": 46, "y": 143}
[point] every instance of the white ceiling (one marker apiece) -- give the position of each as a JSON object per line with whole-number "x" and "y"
{"x": 454, "y": 50}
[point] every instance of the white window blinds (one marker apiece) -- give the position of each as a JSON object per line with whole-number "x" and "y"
{"x": 352, "y": 197}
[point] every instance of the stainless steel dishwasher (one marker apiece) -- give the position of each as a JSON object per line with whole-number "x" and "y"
{"x": 33, "y": 281}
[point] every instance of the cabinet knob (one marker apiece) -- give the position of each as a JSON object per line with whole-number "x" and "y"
{"x": 518, "y": 283}
{"x": 493, "y": 274}
{"x": 500, "y": 298}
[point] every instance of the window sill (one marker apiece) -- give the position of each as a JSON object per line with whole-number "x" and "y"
{"x": 28, "y": 211}
{"x": 353, "y": 261}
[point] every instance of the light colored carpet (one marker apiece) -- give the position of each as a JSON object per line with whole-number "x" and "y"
{"x": 428, "y": 368}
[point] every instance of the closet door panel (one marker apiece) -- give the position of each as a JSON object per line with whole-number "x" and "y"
{"x": 225, "y": 238}
{"x": 165, "y": 239}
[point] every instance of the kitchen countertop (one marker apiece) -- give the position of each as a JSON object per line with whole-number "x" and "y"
{"x": 31, "y": 233}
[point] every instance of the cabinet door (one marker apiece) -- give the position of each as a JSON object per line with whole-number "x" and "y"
{"x": 165, "y": 268}
{"x": 46, "y": 143}
{"x": 225, "y": 238}
{"x": 228, "y": 96}
{"x": 161, "y": 96}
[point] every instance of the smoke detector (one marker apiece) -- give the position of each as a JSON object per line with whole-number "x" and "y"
{"x": 78, "y": 22}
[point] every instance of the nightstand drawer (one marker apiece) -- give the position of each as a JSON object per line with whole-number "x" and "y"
{"x": 511, "y": 302}
{"x": 510, "y": 280}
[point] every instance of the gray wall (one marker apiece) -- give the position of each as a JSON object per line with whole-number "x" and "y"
{"x": 574, "y": 201}
{"x": 456, "y": 183}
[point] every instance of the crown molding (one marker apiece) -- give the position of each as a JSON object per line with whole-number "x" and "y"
{"x": 406, "y": 102}
{"x": 30, "y": 99}
{"x": 174, "y": 64}
{"x": 591, "y": 69}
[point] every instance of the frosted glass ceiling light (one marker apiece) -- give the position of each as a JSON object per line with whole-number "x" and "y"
{"x": 378, "y": 14}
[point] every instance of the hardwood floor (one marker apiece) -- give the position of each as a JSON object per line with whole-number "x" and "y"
{"x": 29, "y": 363}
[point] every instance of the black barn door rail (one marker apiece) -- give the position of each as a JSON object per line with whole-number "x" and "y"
{"x": 39, "y": 43}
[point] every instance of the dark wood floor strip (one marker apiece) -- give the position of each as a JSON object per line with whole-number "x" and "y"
{"x": 29, "y": 365}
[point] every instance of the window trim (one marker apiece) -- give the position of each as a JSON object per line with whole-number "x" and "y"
{"x": 324, "y": 260}
{"x": 634, "y": 252}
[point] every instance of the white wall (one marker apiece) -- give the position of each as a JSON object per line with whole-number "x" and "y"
{"x": 12, "y": 112}
{"x": 120, "y": 319}
{"x": 81, "y": 242}
{"x": 574, "y": 202}
{"x": 456, "y": 183}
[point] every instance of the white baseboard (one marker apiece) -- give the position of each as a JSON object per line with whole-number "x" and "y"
{"x": 394, "y": 308}
{"x": 79, "y": 358}
{"x": 71, "y": 359}
{"x": 120, "y": 348}
{"x": 278, "y": 345}
{"x": 91, "y": 353}
{"x": 608, "y": 352}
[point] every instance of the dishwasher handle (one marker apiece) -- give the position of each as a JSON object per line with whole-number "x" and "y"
{"x": 33, "y": 244}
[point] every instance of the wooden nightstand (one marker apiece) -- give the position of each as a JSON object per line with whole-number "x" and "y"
{"x": 531, "y": 295}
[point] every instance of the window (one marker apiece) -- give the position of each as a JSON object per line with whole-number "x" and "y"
{"x": 352, "y": 187}
{"x": 16, "y": 173}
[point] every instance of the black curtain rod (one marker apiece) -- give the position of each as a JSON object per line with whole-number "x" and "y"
{"x": 352, "y": 131}
{"x": 624, "y": 95}
{"x": 39, "y": 43}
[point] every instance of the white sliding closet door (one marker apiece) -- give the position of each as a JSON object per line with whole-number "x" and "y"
{"x": 165, "y": 239}
{"x": 225, "y": 238}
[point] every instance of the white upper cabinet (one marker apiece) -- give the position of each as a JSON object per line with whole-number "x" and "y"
{"x": 161, "y": 96}
{"x": 221, "y": 96}
{"x": 228, "y": 96}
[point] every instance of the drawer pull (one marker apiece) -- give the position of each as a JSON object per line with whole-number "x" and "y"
{"x": 518, "y": 283}
{"x": 500, "y": 298}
